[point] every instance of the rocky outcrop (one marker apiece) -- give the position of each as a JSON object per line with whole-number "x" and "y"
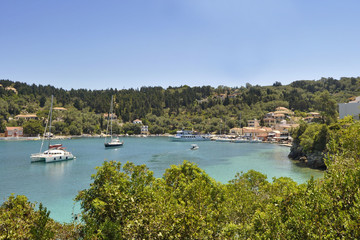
{"x": 311, "y": 160}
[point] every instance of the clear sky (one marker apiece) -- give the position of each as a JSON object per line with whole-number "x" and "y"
{"x": 134, "y": 43}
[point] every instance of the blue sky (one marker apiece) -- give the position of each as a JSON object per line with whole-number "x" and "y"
{"x": 129, "y": 44}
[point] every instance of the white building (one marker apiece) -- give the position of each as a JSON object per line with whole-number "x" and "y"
{"x": 351, "y": 108}
{"x": 137, "y": 121}
{"x": 145, "y": 130}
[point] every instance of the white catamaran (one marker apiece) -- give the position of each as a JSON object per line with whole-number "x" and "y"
{"x": 55, "y": 152}
{"x": 114, "y": 142}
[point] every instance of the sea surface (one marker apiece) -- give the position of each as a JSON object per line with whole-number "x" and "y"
{"x": 57, "y": 184}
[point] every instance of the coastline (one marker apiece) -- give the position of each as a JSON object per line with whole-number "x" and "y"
{"x": 75, "y": 136}
{"x": 103, "y": 136}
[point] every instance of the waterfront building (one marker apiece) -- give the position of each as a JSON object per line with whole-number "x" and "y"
{"x": 253, "y": 123}
{"x": 145, "y": 130}
{"x": 14, "y": 132}
{"x": 236, "y": 131}
{"x": 251, "y": 132}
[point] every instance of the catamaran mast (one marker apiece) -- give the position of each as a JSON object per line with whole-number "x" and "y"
{"x": 51, "y": 107}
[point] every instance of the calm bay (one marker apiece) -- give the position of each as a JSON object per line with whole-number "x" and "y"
{"x": 57, "y": 184}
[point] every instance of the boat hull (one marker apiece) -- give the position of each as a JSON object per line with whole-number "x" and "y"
{"x": 189, "y": 138}
{"x": 52, "y": 155}
{"x": 112, "y": 145}
{"x": 37, "y": 158}
{"x": 59, "y": 158}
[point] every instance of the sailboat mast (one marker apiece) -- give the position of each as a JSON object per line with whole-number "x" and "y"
{"x": 51, "y": 107}
{"x": 111, "y": 112}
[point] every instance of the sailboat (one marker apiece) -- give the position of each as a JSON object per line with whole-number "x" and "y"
{"x": 55, "y": 152}
{"x": 114, "y": 142}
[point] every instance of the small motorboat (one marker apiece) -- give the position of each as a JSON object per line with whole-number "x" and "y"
{"x": 194, "y": 147}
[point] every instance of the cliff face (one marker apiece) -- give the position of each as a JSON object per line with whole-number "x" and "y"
{"x": 311, "y": 160}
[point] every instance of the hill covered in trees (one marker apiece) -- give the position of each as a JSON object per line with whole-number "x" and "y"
{"x": 206, "y": 109}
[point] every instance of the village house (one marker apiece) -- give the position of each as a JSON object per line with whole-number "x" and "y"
{"x": 273, "y": 118}
{"x": 285, "y": 111}
{"x": 113, "y": 116}
{"x": 251, "y": 132}
{"x": 11, "y": 89}
{"x": 279, "y": 117}
{"x": 274, "y": 136}
{"x": 145, "y": 130}
{"x": 253, "y": 123}
{"x": 269, "y": 115}
{"x": 26, "y": 117}
{"x": 312, "y": 116}
{"x": 14, "y": 132}
{"x": 236, "y": 131}
{"x": 265, "y": 134}
{"x": 284, "y": 130}
{"x": 269, "y": 121}
{"x": 137, "y": 121}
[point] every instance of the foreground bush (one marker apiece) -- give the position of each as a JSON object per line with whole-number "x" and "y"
{"x": 19, "y": 219}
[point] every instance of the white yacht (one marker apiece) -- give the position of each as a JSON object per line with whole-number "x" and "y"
{"x": 189, "y": 135}
{"x": 55, "y": 152}
{"x": 223, "y": 139}
{"x": 255, "y": 140}
{"x": 114, "y": 142}
{"x": 240, "y": 140}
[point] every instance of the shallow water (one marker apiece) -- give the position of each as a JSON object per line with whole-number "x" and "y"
{"x": 57, "y": 184}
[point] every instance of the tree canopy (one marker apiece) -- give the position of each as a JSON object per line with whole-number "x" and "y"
{"x": 166, "y": 110}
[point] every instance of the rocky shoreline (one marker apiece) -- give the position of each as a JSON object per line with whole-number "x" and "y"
{"x": 313, "y": 160}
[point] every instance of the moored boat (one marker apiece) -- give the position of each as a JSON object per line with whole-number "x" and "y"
{"x": 223, "y": 139}
{"x": 240, "y": 140}
{"x": 55, "y": 152}
{"x": 114, "y": 142}
{"x": 194, "y": 147}
{"x": 189, "y": 135}
{"x": 255, "y": 140}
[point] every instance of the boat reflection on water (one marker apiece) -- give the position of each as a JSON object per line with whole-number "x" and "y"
{"x": 57, "y": 170}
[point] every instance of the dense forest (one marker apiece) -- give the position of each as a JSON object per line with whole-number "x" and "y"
{"x": 205, "y": 109}
{"x": 128, "y": 202}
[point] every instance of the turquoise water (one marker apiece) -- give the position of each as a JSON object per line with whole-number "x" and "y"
{"x": 57, "y": 184}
